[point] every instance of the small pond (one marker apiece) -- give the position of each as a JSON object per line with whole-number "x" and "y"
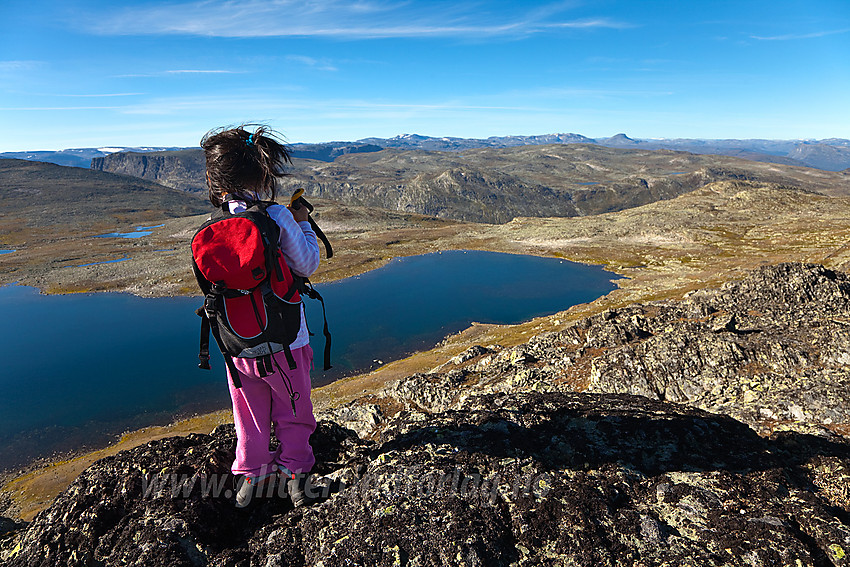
{"x": 138, "y": 232}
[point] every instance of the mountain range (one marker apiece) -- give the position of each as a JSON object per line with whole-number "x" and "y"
{"x": 832, "y": 154}
{"x": 497, "y": 184}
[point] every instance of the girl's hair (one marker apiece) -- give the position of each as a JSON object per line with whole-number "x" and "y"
{"x": 243, "y": 163}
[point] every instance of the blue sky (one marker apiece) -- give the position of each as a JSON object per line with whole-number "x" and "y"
{"x": 91, "y": 73}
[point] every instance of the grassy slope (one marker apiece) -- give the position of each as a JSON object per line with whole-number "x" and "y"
{"x": 43, "y": 195}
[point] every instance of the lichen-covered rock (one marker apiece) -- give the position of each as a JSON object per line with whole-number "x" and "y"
{"x": 429, "y": 392}
{"x": 507, "y": 479}
{"x": 772, "y": 348}
{"x": 360, "y": 416}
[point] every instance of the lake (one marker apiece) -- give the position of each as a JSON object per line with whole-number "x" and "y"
{"x": 86, "y": 367}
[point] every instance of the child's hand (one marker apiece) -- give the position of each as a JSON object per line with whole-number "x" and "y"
{"x": 300, "y": 214}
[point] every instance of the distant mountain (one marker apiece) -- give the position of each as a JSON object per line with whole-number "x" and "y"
{"x": 823, "y": 156}
{"x": 618, "y": 141}
{"x": 495, "y": 185}
{"x": 789, "y": 152}
{"x": 820, "y": 154}
{"x": 77, "y": 157}
{"x": 331, "y": 150}
{"x": 770, "y": 151}
{"x": 417, "y": 142}
{"x": 184, "y": 169}
{"x": 702, "y": 146}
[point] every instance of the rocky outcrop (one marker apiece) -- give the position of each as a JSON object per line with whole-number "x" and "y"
{"x": 181, "y": 169}
{"x": 505, "y": 479}
{"x": 331, "y": 151}
{"x": 506, "y": 456}
{"x": 770, "y": 350}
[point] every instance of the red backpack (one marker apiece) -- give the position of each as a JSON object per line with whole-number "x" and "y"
{"x": 252, "y": 300}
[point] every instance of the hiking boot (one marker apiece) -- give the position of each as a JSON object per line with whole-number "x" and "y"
{"x": 297, "y": 489}
{"x": 250, "y": 486}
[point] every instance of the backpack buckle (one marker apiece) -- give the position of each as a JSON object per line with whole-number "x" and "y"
{"x": 209, "y": 306}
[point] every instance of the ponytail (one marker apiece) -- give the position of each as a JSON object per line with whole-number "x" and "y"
{"x": 243, "y": 163}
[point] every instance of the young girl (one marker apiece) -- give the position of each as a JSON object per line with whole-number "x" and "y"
{"x": 242, "y": 166}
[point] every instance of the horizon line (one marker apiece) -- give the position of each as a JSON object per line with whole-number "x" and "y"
{"x": 121, "y": 147}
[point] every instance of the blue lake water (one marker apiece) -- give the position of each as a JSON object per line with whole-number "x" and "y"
{"x": 86, "y": 367}
{"x": 138, "y": 232}
{"x": 103, "y": 262}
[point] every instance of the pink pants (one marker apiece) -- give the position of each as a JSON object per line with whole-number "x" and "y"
{"x": 261, "y": 402}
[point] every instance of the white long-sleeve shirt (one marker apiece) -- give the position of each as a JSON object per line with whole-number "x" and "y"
{"x": 300, "y": 249}
{"x": 298, "y": 242}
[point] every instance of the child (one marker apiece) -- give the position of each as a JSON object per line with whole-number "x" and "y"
{"x": 243, "y": 166}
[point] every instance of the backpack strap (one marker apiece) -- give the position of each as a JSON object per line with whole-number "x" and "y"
{"x": 308, "y": 289}
{"x": 287, "y": 383}
{"x": 204, "y": 351}
{"x": 298, "y": 201}
{"x": 212, "y": 323}
{"x": 290, "y": 360}
{"x": 328, "y": 249}
{"x": 264, "y": 366}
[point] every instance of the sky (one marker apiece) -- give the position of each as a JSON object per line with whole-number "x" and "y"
{"x": 97, "y": 73}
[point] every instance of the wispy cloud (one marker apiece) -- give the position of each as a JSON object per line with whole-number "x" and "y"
{"x": 20, "y": 65}
{"x": 200, "y": 72}
{"x": 596, "y": 23}
{"x": 174, "y": 72}
{"x": 97, "y": 95}
{"x": 52, "y": 108}
{"x": 793, "y": 36}
{"x": 250, "y": 105}
{"x": 339, "y": 19}
{"x": 320, "y": 64}
{"x": 554, "y": 93}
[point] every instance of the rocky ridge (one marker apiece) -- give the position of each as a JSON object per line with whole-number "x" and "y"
{"x": 180, "y": 169}
{"x": 830, "y": 154}
{"x": 495, "y": 185}
{"x": 512, "y": 456}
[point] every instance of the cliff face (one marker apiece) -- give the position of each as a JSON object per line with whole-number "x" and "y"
{"x": 182, "y": 169}
{"x": 498, "y": 458}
